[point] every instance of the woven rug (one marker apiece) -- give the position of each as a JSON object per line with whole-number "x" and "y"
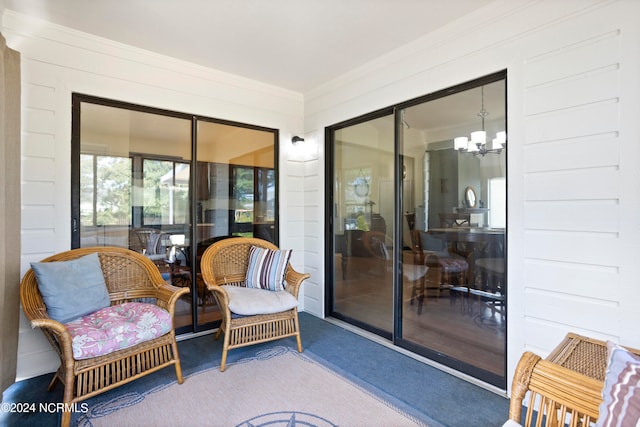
{"x": 276, "y": 387}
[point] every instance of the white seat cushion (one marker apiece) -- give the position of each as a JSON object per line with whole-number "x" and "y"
{"x": 250, "y": 301}
{"x": 511, "y": 423}
{"x": 413, "y": 272}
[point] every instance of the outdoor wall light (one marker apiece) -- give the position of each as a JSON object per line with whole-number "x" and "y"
{"x": 296, "y": 139}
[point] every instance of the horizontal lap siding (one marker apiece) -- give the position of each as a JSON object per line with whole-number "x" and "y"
{"x": 595, "y": 215}
{"x": 567, "y": 278}
{"x": 40, "y": 206}
{"x": 572, "y": 188}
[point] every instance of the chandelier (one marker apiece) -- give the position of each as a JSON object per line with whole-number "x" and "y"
{"x": 477, "y": 144}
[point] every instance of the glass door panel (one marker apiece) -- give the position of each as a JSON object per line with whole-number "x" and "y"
{"x": 418, "y": 226}
{"x": 235, "y": 193}
{"x": 134, "y": 188}
{"x": 454, "y": 281}
{"x": 363, "y": 224}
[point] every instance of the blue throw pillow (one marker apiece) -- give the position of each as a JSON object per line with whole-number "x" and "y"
{"x": 71, "y": 289}
{"x": 267, "y": 268}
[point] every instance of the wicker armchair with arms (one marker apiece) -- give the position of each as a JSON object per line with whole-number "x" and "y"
{"x": 131, "y": 293}
{"x": 583, "y": 382}
{"x": 250, "y": 315}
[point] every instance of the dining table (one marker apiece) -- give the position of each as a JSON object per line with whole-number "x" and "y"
{"x": 487, "y": 240}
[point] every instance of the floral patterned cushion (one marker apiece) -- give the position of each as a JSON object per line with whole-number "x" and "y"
{"x": 117, "y": 327}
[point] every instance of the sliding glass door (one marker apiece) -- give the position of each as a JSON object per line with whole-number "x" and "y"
{"x": 434, "y": 281}
{"x": 168, "y": 185}
{"x": 235, "y": 192}
{"x": 363, "y": 221}
{"x": 454, "y": 281}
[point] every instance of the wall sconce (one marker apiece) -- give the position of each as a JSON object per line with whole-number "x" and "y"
{"x": 296, "y": 139}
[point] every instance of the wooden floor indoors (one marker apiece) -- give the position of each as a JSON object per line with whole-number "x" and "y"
{"x": 463, "y": 328}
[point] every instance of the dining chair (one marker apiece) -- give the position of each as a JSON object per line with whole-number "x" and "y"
{"x": 423, "y": 277}
{"x": 448, "y": 269}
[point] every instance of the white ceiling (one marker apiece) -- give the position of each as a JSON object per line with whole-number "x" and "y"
{"x": 293, "y": 44}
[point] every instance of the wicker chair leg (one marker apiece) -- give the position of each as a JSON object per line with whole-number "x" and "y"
{"x": 219, "y": 331}
{"x": 66, "y": 419}
{"x": 179, "y": 373}
{"x": 225, "y": 350}
{"x": 299, "y": 340}
{"x": 223, "y": 362}
{"x": 67, "y": 399}
{"x": 54, "y": 380}
{"x": 177, "y": 364}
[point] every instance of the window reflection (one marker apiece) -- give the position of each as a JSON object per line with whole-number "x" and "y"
{"x": 236, "y": 194}
{"x": 166, "y": 192}
{"x": 454, "y": 231}
{"x": 363, "y": 224}
{"x": 105, "y": 186}
{"x": 138, "y": 187}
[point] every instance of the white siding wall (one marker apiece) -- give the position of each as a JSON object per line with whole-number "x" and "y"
{"x": 574, "y": 146}
{"x": 57, "y": 61}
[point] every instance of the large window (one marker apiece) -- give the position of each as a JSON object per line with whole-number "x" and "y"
{"x": 168, "y": 185}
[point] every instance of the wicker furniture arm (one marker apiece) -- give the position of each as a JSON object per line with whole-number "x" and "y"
{"x": 553, "y": 392}
{"x": 129, "y": 276}
{"x": 570, "y": 379}
{"x": 225, "y": 263}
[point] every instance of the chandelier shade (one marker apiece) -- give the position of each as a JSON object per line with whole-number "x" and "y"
{"x": 477, "y": 143}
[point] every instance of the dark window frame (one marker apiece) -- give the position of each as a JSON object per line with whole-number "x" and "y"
{"x": 76, "y": 101}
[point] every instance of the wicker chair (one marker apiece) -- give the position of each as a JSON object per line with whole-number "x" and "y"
{"x": 225, "y": 263}
{"x": 565, "y": 386}
{"x": 129, "y": 276}
{"x": 552, "y": 393}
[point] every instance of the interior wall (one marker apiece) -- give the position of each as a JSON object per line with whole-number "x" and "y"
{"x": 57, "y": 62}
{"x": 573, "y": 102}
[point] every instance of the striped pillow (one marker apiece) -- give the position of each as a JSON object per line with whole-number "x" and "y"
{"x": 620, "y": 405}
{"x": 267, "y": 268}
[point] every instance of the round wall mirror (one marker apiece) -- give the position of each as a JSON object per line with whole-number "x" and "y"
{"x": 470, "y": 197}
{"x": 361, "y": 187}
